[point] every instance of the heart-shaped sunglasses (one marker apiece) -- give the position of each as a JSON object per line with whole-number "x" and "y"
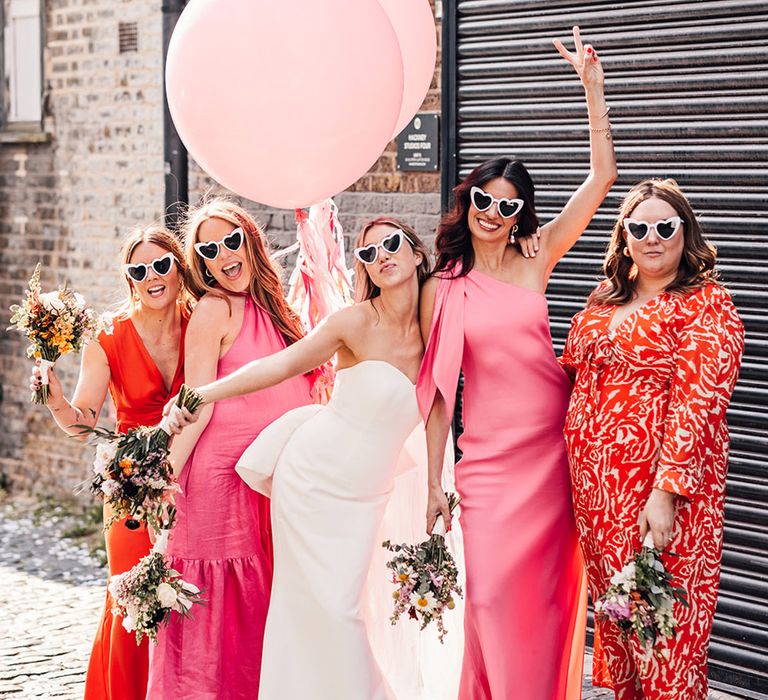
{"x": 665, "y": 228}
{"x": 369, "y": 254}
{"x": 210, "y": 250}
{"x": 483, "y": 201}
{"x": 138, "y": 271}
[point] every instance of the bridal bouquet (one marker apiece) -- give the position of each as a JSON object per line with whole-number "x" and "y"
{"x": 640, "y": 599}
{"x": 132, "y": 473}
{"x": 425, "y": 576}
{"x": 146, "y": 595}
{"x": 55, "y": 323}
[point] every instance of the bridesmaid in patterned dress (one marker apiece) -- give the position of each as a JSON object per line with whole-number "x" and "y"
{"x": 654, "y": 358}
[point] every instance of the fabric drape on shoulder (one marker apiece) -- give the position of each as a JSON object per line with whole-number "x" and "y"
{"x": 441, "y": 365}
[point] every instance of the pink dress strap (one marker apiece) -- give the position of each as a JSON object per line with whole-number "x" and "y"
{"x": 441, "y": 365}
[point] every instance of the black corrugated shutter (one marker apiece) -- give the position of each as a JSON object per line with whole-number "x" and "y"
{"x": 688, "y": 87}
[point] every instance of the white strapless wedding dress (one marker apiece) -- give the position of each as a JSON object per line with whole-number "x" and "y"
{"x": 331, "y": 472}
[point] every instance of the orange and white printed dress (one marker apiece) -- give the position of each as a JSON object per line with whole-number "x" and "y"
{"x": 648, "y": 411}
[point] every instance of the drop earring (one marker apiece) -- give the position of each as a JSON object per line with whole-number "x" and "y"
{"x": 512, "y": 234}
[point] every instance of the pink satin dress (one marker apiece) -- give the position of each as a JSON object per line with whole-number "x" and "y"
{"x": 222, "y": 541}
{"x": 525, "y": 592}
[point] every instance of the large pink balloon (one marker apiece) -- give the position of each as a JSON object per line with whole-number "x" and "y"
{"x": 414, "y": 25}
{"x": 285, "y": 102}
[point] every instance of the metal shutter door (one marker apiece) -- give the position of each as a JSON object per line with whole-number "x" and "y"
{"x": 688, "y": 86}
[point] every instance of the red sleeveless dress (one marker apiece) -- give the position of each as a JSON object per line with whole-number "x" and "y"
{"x": 118, "y": 667}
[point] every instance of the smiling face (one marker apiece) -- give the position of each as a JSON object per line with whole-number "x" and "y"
{"x": 655, "y": 258}
{"x": 230, "y": 268}
{"x": 154, "y": 291}
{"x": 391, "y": 269}
{"x": 489, "y": 225}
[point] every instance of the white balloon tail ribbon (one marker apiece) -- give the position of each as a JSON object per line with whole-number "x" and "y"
{"x": 161, "y": 542}
{"x": 45, "y": 366}
{"x": 439, "y": 528}
{"x": 648, "y": 541}
{"x": 165, "y": 424}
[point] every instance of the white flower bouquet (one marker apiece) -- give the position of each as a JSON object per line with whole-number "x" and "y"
{"x": 640, "y": 601}
{"x": 425, "y": 576}
{"x": 148, "y": 594}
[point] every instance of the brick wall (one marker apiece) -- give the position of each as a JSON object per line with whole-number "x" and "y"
{"x": 69, "y": 200}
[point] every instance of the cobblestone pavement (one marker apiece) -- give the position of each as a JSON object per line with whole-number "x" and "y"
{"x": 51, "y": 597}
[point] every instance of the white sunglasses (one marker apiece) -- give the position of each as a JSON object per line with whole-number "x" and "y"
{"x": 483, "y": 201}
{"x": 369, "y": 254}
{"x": 138, "y": 271}
{"x": 210, "y": 250}
{"x": 665, "y": 228}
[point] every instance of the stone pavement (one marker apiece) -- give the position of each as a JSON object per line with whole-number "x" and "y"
{"x": 51, "y": 597}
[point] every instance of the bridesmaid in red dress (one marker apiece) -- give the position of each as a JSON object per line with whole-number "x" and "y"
{"x": 141, "y": 365}
{"x": 655, "y": 356}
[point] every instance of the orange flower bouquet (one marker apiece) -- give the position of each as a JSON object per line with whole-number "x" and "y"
{"x": 55, "y": 323}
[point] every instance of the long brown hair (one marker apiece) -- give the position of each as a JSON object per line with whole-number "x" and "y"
{"x": 265, "y": 286}
{"x": 163, "y": 238}
{"x": 364, "y": 288}
{"x": 697, "y": 266}
{"x": 453, "y": 242}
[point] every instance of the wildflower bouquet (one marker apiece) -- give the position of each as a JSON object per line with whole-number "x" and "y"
{"x": 132, "y": 473}
{"x": 426, "y": 577}
{"x": 55, "y": 323}
{"x": 640, "y": 599}
{"x": 146, "y": 595}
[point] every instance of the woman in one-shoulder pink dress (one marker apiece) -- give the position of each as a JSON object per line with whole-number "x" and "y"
{"x": 485, "y": 313}
{"x": 222, "y": 541}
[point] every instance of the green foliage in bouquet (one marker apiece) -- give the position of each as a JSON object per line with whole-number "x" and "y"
{"x": 132, "y": 472}
{"x": 426, "y": 579}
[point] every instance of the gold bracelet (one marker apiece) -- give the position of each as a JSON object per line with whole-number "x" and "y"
{"x": 600, "y": 128}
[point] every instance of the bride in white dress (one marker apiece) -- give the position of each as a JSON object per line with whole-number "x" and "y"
{"x": 330, "y": 471}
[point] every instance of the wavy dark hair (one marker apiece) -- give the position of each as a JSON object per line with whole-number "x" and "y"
{"x": 453, "y": 242}
{"x": 364, "y": 288}
{"x": 697, "y": 266}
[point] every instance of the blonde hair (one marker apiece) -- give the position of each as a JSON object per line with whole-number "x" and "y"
{"x": 163, "y": 238}
{"x": 697, "y": 266}
{"x": 364, "y": 288}
{"x": 265, "y": 286}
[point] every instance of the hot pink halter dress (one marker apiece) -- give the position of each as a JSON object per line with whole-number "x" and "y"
{"x": 222, "y": 541}
{"x": 525, "y": 595}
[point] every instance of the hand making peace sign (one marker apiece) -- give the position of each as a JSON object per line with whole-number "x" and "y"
{"x": 585, "y": 61}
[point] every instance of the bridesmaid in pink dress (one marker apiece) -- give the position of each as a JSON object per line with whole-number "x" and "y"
{"x": 485, "y": 313}
{"x": 222, "y": 541}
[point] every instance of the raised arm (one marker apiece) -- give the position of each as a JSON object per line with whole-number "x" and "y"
{"x": 301, "y": 357}
{"x": 438, "y": 424}
{"x": 559, "y": 235}
{"x": 90, "y": 392}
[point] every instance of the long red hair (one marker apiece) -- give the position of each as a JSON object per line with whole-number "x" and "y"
{"x": 265, "y": 287}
